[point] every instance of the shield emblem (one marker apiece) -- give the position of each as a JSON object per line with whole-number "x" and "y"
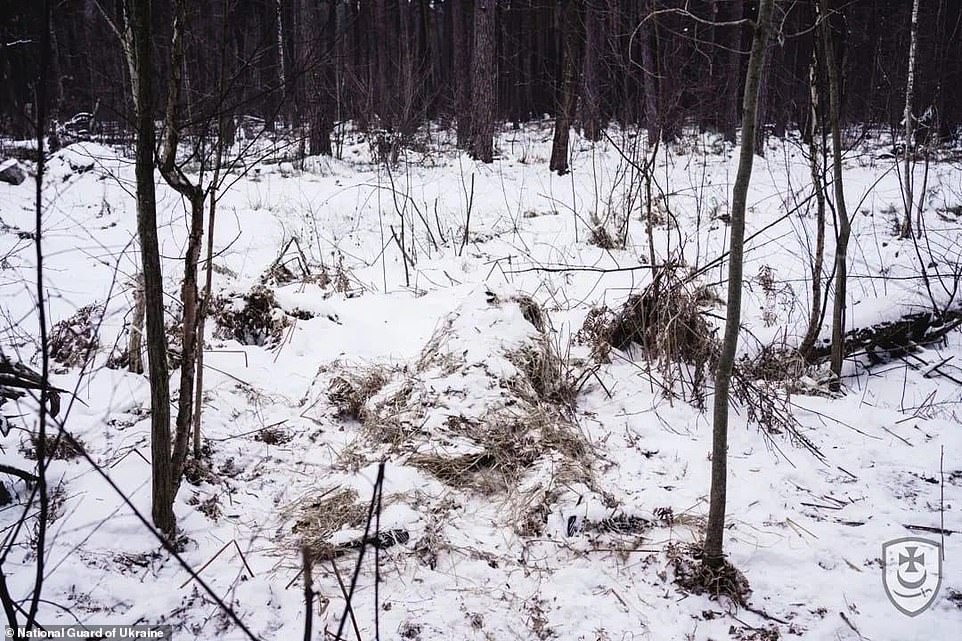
{"x": 912, "y": 573}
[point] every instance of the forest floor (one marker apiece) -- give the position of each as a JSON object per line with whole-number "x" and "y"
{"x": 537, "y": 485}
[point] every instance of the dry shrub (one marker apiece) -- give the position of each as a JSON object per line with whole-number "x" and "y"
{"x": 278, "y": 274}
{"x": 254, "y": 318}
{"x": 532, "y": 312}
{"x": 273, "y": 435}
{"x": 775, "y": 364}
{"x": 58, "y": 447}
{"x": 552, "y": 378}
{"x": 319, "y": 518}
{"x": 669, "y": 320}
{"x": 74, "y": 340}
{"x": 597, "y": 332}
{"x": 599, "y": 236}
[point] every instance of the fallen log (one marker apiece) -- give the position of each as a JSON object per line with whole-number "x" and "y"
{"x": 884, "y": 341}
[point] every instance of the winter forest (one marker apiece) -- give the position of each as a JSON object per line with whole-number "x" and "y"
{"x": 589, "y": 320}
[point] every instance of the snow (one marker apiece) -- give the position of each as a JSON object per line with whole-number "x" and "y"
{"x": 806, "y": 532}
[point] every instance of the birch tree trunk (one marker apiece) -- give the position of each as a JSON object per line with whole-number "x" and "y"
{"x": 714, "y": 538}
{"x": 909, "y": 125}
{"x": 844, "y": 227}
{"x": 816, "y": 145}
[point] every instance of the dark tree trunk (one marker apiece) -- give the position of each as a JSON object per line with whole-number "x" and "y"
{"x": 764, "y": 101}
{"x": 461, "y": 61}
{"x": 732, "y": 71}
{"x": 383, "y": 88}
{"x": 594, "y": 71}
{"x": 162, "y": 475}
{"x": 649, "y": 77}
{"x": 195, "y": 195}
{"x": 484, "y": 81}
{"x": 568, "y": 96}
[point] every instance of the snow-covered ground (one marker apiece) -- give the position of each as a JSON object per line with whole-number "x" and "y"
{"x": 550, "y": 518}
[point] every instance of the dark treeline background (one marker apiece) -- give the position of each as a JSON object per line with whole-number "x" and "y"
{"x": 395, "y": 64}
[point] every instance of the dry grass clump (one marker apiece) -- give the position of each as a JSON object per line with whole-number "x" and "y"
{"x": 599, "y": 236}
{"x": 551, "y": 377}
{"x": 254, "y": 318}
{"x": 489, "y": 423}
{"x": 775, "y": 364}
{"x": 503, "y": 447}
{"x": 694, "y": 575}
{"x": 532, "y": 312}
{"x": 668, "y": 320}
{"x": 74, "y": 340}
{"x": 319, "y": 518}
{"x": 57, "y": 447}
{"x": 349, "y": 392}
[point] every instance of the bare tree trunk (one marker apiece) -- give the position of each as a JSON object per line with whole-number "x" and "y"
{"x": 818, "y": 181}
{"x": 730, "y": 114}
{"x": 593, "y": 71}
{"x": 909, "y": 125}
{"x": 484, "y": 85}
{"x": 383, "y": 98}
{"x": 571, "y": 17}
{"x": 139, "y": 48}
{"x": 204, "y": 301}
{"x": 763, "y": 107}
{"x": 195, "y": 195}
{"x": 461, "y": 55}
{"x": 714, "y": 538}
{"x": 844, "y": 224}
{"x": 281, "y": 63}
{"x": 650, "y": 78}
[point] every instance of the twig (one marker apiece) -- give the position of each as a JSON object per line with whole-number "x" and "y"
{"x": 942, "y": 496}
{"x": 765, "y": 615}
{"x": 850, "y": 624}
{"x": 928, "y": 528}
{"x": 347, "y": 601}
{"x": 203, "y": 567}
{"x": 308, "y": 594}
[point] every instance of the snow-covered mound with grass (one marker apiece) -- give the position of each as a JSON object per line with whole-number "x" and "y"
{"x": 540, "y": 483}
